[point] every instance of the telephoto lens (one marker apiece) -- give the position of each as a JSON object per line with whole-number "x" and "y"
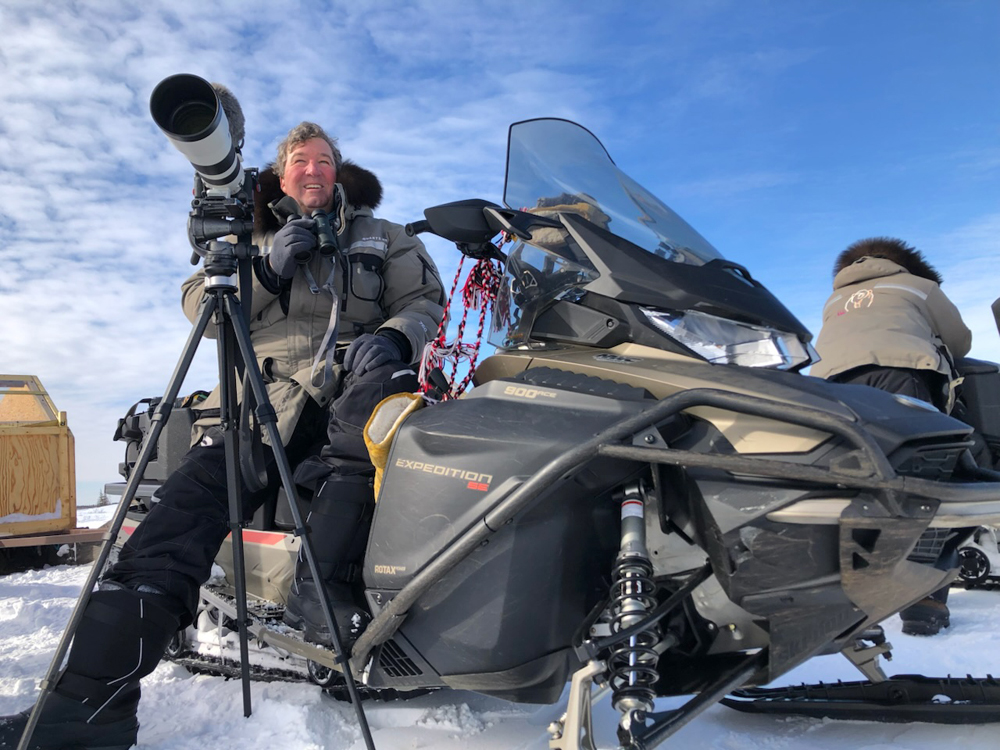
{"x": 189, "y": 112}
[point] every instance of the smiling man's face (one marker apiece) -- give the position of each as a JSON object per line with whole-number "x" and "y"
{"x": 310, "y": 174}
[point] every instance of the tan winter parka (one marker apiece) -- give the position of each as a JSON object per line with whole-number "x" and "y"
{"x": 880, "y": 314}
{"x": 392, "y": 283}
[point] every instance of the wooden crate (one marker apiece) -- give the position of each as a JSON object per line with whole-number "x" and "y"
{"x": 37, "y": 460}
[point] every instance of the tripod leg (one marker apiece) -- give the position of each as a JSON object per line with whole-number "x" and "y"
{"x": 228, "y": 412}
{"x": 159, "y": 418}
{"x": 266, "y": 416}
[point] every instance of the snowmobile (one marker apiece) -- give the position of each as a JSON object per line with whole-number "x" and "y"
{"x": 980, "y": 557}
{"x": 642, "y": 491}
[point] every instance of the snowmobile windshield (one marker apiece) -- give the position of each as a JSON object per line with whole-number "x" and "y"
{"x": 556, "y": 166}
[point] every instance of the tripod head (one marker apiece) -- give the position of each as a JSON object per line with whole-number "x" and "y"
{"x": 214, "y": 216}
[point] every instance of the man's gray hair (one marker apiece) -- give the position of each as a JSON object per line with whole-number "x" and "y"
{"x": 301, "y": 133}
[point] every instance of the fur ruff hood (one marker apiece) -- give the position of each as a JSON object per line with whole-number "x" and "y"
{"x": 897, "y": 252}
{"x": 362, "y": 188}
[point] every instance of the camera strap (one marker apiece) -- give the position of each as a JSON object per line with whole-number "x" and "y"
{"x": 327, "y": 347}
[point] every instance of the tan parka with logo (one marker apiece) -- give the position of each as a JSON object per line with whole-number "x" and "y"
{"x": 391, "y": 283}
{"x": 880, "y": 314}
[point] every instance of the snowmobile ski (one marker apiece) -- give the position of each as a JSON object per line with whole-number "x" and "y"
{"x": 901, "y": 698}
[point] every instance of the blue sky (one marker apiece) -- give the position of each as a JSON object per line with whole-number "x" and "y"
{"x": 781, "y": 130}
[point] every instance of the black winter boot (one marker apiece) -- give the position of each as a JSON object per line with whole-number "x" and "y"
{"x": 66, "y": 724}
{"x": 121, "y": 638}
{"x": 338, "y": 522}
{"x": 927, "y": 616}
{"x": 305, "y": 612}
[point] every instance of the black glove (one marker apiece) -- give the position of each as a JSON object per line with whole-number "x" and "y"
{"x": 369, "y": 351}
{"x": 294, "y": 244}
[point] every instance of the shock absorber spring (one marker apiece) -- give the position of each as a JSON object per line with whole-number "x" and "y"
{"x": 632, "y": 663}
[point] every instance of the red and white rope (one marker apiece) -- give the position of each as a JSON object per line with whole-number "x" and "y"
{"x": 478, "y": 293}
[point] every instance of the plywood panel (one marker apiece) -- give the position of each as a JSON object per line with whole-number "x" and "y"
{"x": 22, "y": 399}
{"x": 37, "y": 478}
{"x": 17, "y": 408}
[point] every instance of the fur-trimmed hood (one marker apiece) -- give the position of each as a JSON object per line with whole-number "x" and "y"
{"x": 891, "y": 249}
{"x": 362, "y": 188}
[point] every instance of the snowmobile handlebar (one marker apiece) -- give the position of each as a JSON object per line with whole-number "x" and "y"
{"x": 417, "y": 227}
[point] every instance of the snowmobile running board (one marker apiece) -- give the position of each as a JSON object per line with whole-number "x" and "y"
{"x": 270, "y": 637}
{"x": 301, "y": 656}
{"x": 902, "y": 698}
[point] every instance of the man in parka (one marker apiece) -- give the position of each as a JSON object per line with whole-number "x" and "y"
{"x": 889, "y": 325}
{"x": 333, "y": 334}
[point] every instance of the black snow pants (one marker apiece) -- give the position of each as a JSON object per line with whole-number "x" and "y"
{"x": 173, "y": 548}
{"x": 927, "y": 385}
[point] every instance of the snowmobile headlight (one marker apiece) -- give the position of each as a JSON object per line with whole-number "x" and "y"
{"x": 729, "y": 342}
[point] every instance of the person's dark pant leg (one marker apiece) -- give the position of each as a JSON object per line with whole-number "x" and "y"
{"x": 150, "y": 592}
{"x": 350, "y": 411}
{"x": 931, "y": 613}
{"x": 926, "y": 385}
{"x": 173, "y": 548}
{"x": 342, "y": 507}
{"x": 120, "y": 639}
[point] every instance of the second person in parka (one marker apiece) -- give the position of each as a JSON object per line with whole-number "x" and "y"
{"x": 889, "y": 325}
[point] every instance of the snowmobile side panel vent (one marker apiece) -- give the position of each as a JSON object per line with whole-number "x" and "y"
{"x": 932, "y": 462}
{"x": 579, "y": 383}
{"x": 929, "y": 545}
{"x": 399, "y": 665}
{"x": 395, "y": 663}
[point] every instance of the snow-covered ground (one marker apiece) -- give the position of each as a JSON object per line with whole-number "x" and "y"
{"x": 181, "y": 711}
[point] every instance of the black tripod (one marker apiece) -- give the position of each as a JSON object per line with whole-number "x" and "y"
{"x": 222, "y": 306}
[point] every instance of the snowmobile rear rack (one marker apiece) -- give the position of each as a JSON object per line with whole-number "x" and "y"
{"x": 902, "y": 698}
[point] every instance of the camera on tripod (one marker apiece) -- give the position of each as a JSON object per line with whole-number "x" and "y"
{"x": 205, "y": 123}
